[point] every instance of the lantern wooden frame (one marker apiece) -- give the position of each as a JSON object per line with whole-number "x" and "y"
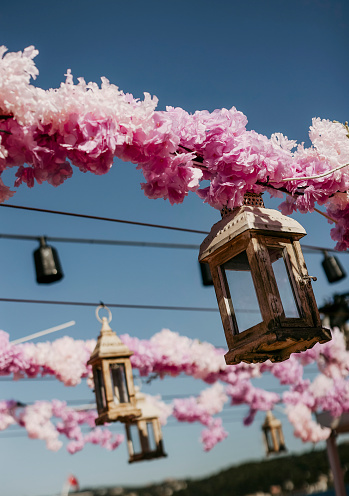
{"x": 273, "y": 436}
{"x": 111, "y": 354}
{"x": 148, "y": 430}
{"x": 257, "y": 230}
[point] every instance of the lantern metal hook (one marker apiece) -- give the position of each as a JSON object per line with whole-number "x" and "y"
{"x": 105, "y": 308}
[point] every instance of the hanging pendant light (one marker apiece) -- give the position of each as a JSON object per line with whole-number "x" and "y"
{"x": 333, "y": 268}
{"x": 112, "y": 376}
{"x": 262, "y": 285}
{"x": 336, "y": 313}
{"x": 47, "y": 265}
{"x": 206, "y": 274}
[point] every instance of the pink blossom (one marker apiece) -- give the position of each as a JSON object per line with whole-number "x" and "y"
{"x": 214, "y": 434}
{"x": 164, "y": 410}
{"x": 7, "y": 414}
{"x": 104, "y": 438}
{"x": 210, "y": 402}
{"x": 90, "y": 125}
{"x": 168, "y": 353}
{"x": 12, "y": 358}
{"x": 304, "y": 427}
{"x": 37, "y": 421}
{"x": 257, "y": 399}
{"x": 66, "y": 358}
{"x": 290, "y": 372}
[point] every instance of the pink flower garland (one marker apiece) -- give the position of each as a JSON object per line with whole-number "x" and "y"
{"x": 37, "y": 419}
{"x": 167, "y": 353}
{"x": 87, "y": 126}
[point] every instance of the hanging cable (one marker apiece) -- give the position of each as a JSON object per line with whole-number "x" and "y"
{"x": 10, "y": 435}
{"x": 114, "y": 305}
{"x": 108, "y": 219}
{"x": 52, "y": 378}
{"x": 139, "y": 244}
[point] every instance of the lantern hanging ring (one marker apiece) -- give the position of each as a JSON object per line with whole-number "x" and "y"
{"x": 105, "y": 308}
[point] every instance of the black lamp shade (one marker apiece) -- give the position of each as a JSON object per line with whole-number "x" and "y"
{"x": 47, "y": 264}
{"x": 206, "y": 274}
{"x": 333, "y": 268}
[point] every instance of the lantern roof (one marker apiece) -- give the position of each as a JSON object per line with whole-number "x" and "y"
{"x": 249, "y": 218}
{"x": 271, "y": 422}
{"x": 109, "y": 345}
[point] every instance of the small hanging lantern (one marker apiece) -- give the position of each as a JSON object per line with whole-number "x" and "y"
{"x": 333, "y": 268}
{"x": 144, "y": 436}
{"x": 112, "y": 375}
{"x": 262, "y": 285}
{"x": 273, "y": 435}
{"x": 47, "y": 265}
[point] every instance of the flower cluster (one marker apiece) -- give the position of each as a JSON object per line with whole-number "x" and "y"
{"x": 65, "y": 358}
{"x": 45, "y": 133}
{"x": 169, "y": 354}
{"x": 47, "y": 420}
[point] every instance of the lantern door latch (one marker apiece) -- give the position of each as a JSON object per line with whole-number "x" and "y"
{"x": 309, "y": 278}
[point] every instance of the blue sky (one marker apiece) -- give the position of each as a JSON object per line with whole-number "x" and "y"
{"x": 281, "y": 63}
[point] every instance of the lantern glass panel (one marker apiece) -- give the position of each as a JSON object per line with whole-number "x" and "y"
{"x": 135, "y": 440}
{"x": 270, "y": 441}
{"x": 151, "y": 437}
{"x": 118, "y": 380}
{"x": 278, "y": 437}
{"x": 242, "y": 291}
{"x": 99, "y": 388}
{"x": 277, "y": 258}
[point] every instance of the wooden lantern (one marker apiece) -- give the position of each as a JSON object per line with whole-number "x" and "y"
{"x": 262, "y": 285}
{"x": 112, "y": 375}
{"x": 144, "y": 436}
{"x": 273, "y": 435}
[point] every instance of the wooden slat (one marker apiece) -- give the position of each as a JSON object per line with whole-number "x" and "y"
{"x": 264, "y": 281}
{"x": 306, "y": 287}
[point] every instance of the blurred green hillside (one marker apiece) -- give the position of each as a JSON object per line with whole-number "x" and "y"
{"x": 283, "y": 475}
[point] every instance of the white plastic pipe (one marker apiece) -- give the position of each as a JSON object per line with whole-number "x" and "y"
{"x": 42, "y": 333}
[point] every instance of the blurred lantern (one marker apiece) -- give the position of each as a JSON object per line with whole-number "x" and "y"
{"x": 206, "y": 274}
{"x": 262, "y": 285}
{"x": 144, "y": 436}
{"x": 112, "y": 375}
{"x": 333, "y": 268}
{"x": 273, "y": 435}
{"x": 336, "y": 312}
{"x": 47, "y": 264}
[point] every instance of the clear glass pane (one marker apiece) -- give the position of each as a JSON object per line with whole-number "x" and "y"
{"x": 270, "y": 440}
{"x": 99, "y": 389}
{"x": 242, "y": 291}
{"x": 118, "y": 380}
{"x": 283, "y": 282}
{"x": 151, "y": 437}
{"x": 134, "y": 436}
{"x": 278, "y": 437}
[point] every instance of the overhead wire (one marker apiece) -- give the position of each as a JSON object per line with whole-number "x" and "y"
{"x": 119, "y": 243}
{"x": 115, "y": 305}
{"x": 19, "y": 434}
{"x": 139, "y": 244}
{"x": 107, "y": 219}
